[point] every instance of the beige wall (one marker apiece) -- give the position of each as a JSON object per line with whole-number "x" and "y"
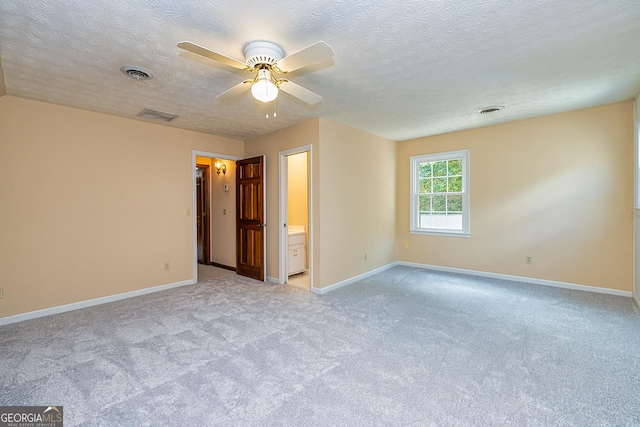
{"x": 270, "y": 145}
{"x": 92, "y": 205}
{"x": 353, "y": 209}
{"x": 297, "y": 196}
{"x": 557, "y": 188}
{"x": 357, "y": 202}
{"x": 222, "y": 225}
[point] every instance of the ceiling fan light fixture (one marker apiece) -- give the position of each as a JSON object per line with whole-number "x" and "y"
{"x": 264, "y": 89}
{"x": 266, "y": 61}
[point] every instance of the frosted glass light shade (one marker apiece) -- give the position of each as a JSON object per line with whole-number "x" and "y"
{"x": 264, "y": 90}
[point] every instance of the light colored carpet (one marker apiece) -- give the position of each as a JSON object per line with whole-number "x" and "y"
{"x": 209, "y": 272}
{"x": 405, "y": 347}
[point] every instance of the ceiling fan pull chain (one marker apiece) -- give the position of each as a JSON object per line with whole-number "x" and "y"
{"x": 274, "y": 111}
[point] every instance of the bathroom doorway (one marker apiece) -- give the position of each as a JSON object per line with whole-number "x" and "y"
{"x": 295, "y": 214}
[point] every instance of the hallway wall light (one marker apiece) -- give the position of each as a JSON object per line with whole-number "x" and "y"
{"x": 220, "y": 167}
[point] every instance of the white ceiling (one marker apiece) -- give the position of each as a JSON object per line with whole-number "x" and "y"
{"x": 402, "y": 69}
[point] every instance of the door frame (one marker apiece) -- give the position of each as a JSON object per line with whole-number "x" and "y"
{"x": 192, "y": 212}
{"x": 283, "y": 196}
{"x": 635, "y": 293}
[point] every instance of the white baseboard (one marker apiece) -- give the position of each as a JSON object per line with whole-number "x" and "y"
{"x": 273, "y": 280}
{"x": 321, "y": 291}
{"x": 531, "y": 280}
{"x": 88, "y": 303}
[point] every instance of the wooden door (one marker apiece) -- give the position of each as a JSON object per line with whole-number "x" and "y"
{"x": 250, "y": 254}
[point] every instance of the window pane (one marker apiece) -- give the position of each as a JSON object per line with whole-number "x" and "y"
{"x": 454, "y": 221}
{"x": 424, "y": 220}
{"x": 439, "y": 220}
{"x": 455, "y": 167}
{"x": 439, "y": 185}
{"x": 439, "y": 203}
{"x": 425, "y": 185}
{"x": 440, "y": 168}
{"x": 425, "y": 203}
{"x": 424, "y": 214}
{"x": 424, "y": 170}
{"x": 455, "y": 184}
{"x": 454, "y": 204}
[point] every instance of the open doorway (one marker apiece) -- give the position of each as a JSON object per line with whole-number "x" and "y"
{"x": 295, "y": 214}
{"x": 203, "y": 208}
{"x": 215, "y": 195}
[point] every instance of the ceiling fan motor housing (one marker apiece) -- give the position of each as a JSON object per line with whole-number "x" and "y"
{"x": 262, "y": 53}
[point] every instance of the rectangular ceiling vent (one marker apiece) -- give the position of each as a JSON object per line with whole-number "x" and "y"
{"x": 160, "y": 116}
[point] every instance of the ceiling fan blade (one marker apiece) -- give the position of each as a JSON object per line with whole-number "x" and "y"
{"x": 300, "y": 92}
{"x": 317, "y": 52}
{"x": 203, "y": 51}
{"x": 235, "y": 90}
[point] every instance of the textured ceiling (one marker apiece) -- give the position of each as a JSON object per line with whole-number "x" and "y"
{"x": 402, "y": 69}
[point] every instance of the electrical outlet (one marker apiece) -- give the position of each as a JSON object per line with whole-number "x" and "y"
{"x": 166, "y": 265}
{"x": 406, "y": 245}
{"x": 188, "y": 212}
{"x": 224, "y": 211}
{"x": 365, "y": 256}
{"x": 1, "y": 292}
{"x": 528, "y": 260}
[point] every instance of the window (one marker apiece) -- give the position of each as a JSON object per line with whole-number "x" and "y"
{"x": 440, "y": 193}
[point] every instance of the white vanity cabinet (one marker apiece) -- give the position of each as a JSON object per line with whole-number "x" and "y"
{"x": 297, "y": 251}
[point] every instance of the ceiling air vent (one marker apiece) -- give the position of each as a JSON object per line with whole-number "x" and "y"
{"x": 159, "y": 116}
{"x": 492, "y": 109}
{"x": 137, "y": 73}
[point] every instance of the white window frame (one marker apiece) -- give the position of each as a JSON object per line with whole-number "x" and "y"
{"x": 415, "y": 185}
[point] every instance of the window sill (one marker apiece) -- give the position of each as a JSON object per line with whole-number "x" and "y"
{"x": 446, "y": 233}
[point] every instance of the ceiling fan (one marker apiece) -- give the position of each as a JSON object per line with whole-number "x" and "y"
{"x": 267, "y": 61}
